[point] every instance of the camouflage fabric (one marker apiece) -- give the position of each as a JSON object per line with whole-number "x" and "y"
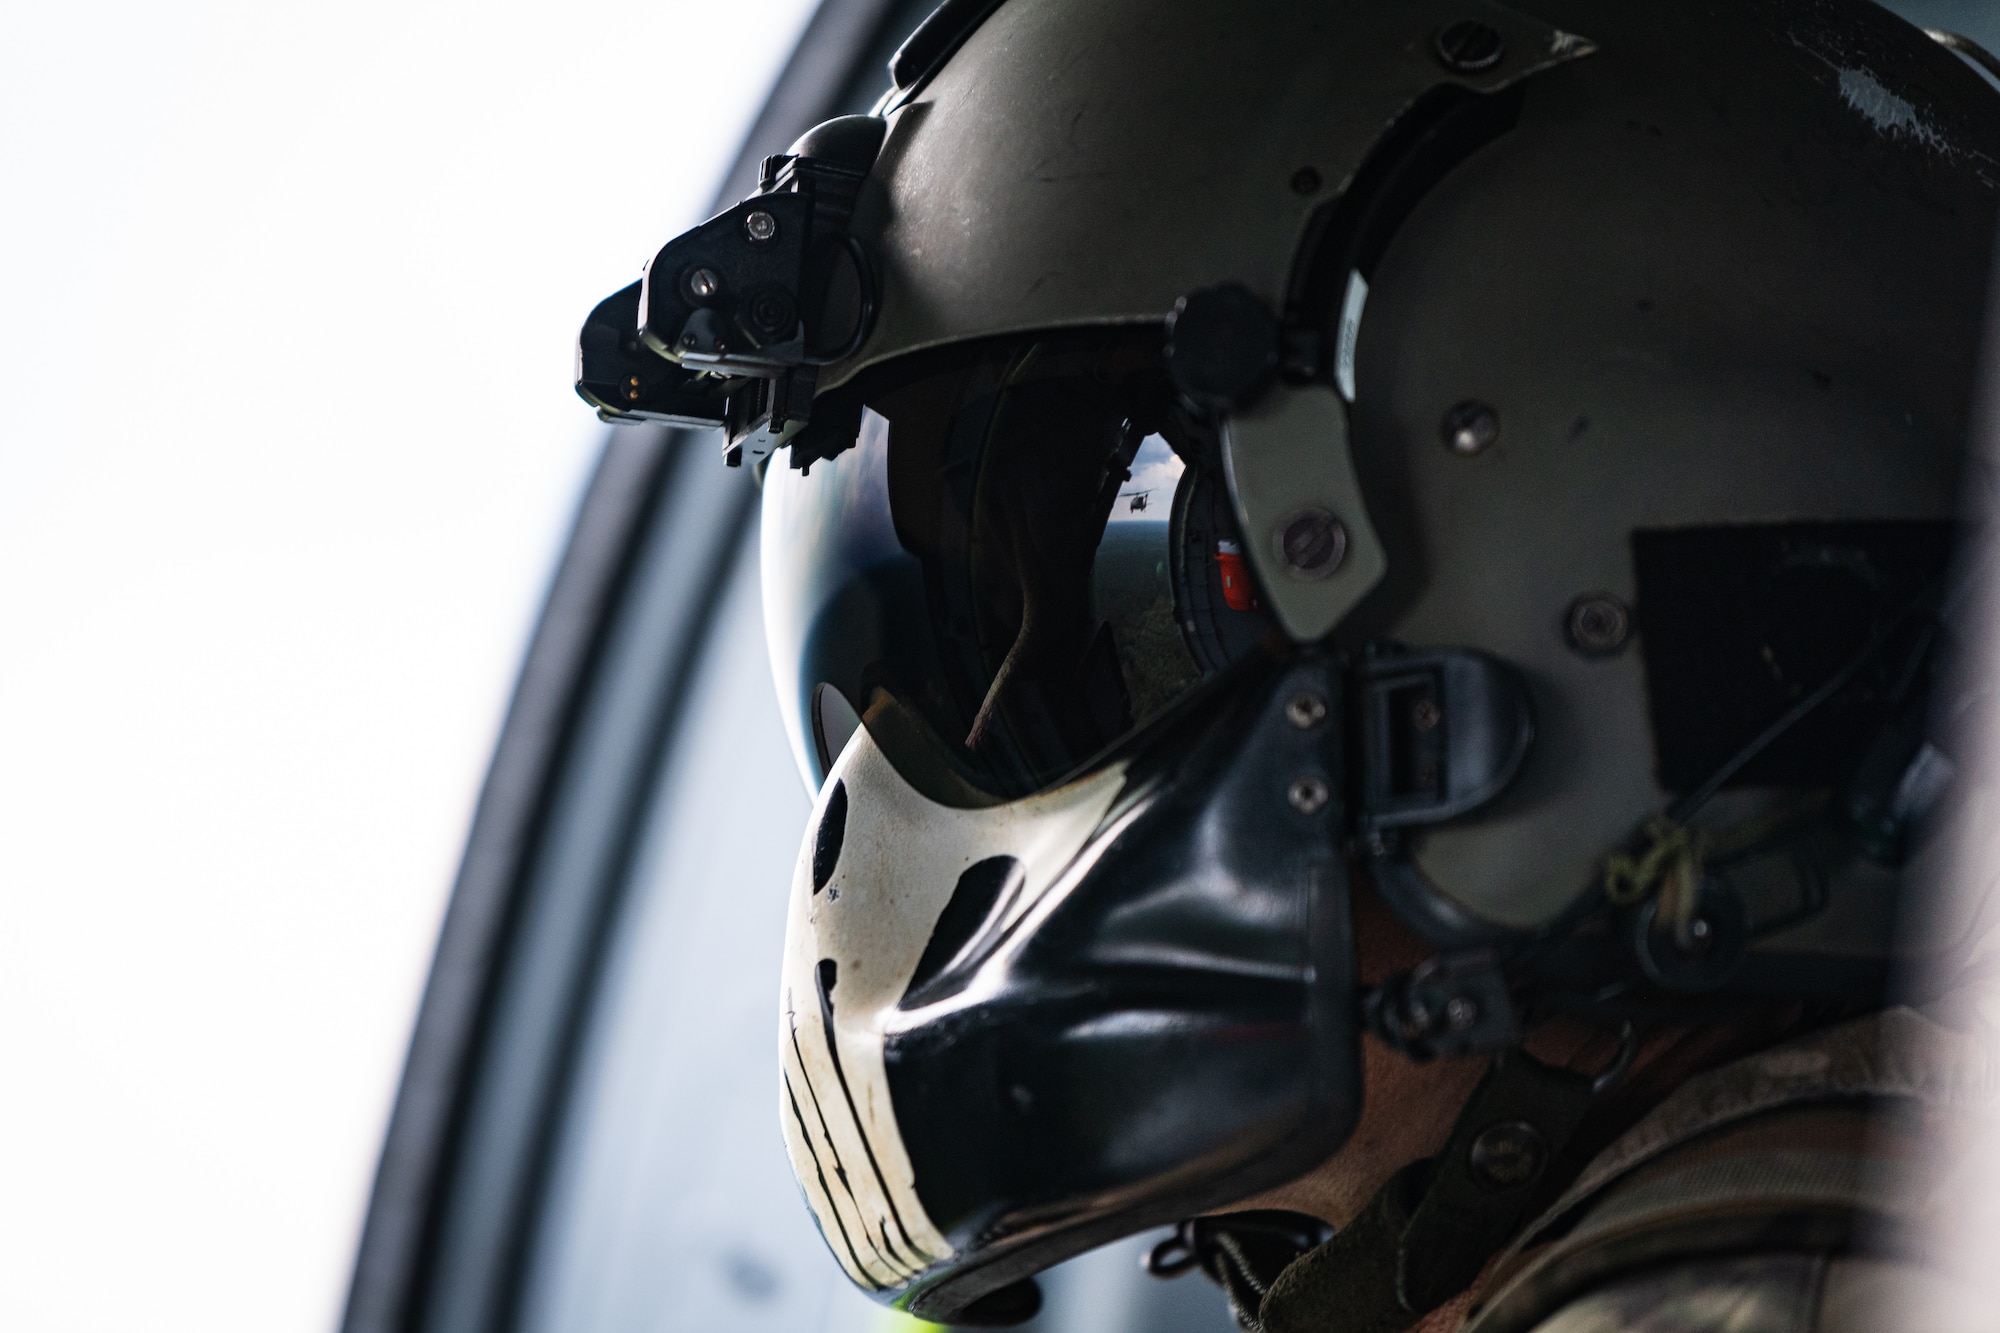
{"x": 1765, "y": 1293}
{"x": 1762, "y": 1197}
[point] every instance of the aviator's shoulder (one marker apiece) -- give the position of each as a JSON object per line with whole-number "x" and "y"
{"x": 1761, "y": 1293}
{"x": 1752, "y": 1200}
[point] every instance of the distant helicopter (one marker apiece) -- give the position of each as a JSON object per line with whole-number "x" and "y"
{"x": 1138, "y": 500}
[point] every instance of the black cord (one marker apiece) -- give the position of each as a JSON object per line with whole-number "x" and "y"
{"x": 1689, "y": 805}
{"x": 864, "y": 323}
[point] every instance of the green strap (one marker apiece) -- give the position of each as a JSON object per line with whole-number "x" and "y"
{"x": 1425, "y": 1236}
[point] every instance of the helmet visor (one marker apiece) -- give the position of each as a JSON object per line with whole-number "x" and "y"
{"x": 1026, "y": 554}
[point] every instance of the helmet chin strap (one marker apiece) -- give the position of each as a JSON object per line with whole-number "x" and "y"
{"x": 1425, "y": 1236}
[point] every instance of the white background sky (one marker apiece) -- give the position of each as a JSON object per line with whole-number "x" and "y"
{"x": 287, "y": 448}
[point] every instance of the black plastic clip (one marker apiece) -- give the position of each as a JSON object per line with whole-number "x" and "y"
{"x": 1454, "y": 1004}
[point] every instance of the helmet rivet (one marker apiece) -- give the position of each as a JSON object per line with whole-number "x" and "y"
{"x": 634, "y": 390}
{"x": 1468, "y": 46}
{"x": 1597, "y": 625}
{"x": 1470, "y": 427}
{"x": 1425, "y": 714}
{"x": 1308, "y": 795}
{"x": 771, "y": 310}
{"x": 1507, "y": 1155}
{"x": 1311, "y": 542}
{"x": 760, "y": 226}
{"x": 1306, "y": 180}
{"x": 1460, "y": 1013}
{"x": 704, "y": 284}
{"x": 1306, "y": 710}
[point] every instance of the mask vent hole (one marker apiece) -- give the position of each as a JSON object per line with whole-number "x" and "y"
{"x": 967, "y": 930}
{"x": 832, "y": 832}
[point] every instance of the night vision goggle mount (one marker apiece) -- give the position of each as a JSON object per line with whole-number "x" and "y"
{"x": 733, "y": 318}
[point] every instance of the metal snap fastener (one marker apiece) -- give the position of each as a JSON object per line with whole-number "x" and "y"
{"x": 1507, "y": 1155}
{"x": 1597, "y": 625}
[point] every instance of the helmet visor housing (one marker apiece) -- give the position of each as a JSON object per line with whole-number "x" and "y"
{"x": 1026, "y": 553}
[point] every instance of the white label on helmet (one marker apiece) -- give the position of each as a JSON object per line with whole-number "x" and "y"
{"x": 851, "y": 947}
{"x": 1350, "y": 329}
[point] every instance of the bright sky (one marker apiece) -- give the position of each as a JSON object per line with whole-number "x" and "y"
{"x": 1156, "y": 471}
{"x": 287, "y": 448}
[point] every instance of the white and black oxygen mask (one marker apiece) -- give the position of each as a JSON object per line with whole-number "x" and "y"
{"x": 1069, "y": 950}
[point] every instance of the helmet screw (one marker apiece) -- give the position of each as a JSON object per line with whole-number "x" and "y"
{"x": 704, "y": 284}
{"x": 1306, "y": 711}
{"x": 1312, "y": 543}
{"x": 1306, "y": 180}
{"x": 771, "y": 310}
{"x": 1308, "y": 795}
{"x": 1460, "y": 1013}
{"x": 760, "y": 227}
{"x": 1507, "y": 1155}
{"x": 1468, "y": 46}
{"x": 1470, "y": 427}
{"x": 1597, "y": 625}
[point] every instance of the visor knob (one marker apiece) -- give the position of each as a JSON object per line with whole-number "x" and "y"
{"x": 1312, "y": 543}
{"x": 760, "y": 227}
{"x": 1469, "y": 46}
{"x": 1222, "y": 346}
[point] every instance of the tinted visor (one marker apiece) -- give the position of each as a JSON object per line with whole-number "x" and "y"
{"x": 1026, "y": 553}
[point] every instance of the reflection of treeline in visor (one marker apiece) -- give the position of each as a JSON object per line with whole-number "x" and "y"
{"x": 1025, "y": 553}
